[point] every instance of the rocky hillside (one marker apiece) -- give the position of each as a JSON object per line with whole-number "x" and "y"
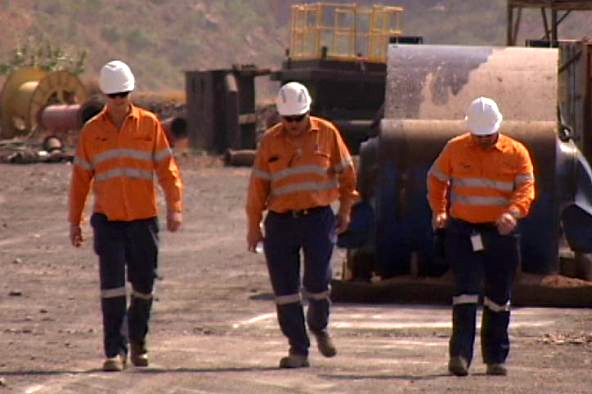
{"x": 162, "y": 38}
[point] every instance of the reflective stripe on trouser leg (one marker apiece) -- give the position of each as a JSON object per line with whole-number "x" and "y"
{"x": 317, "y": 316}
{"x": 466, "y": 266}
{"x": 138, "y": 316}
{"x": 319, "y": 238}
{"x": 109, "y": 246}
{"x": 501, "y": 261}
{"x": 142, "y": 257}
{"x": 114, "y": 327}
{"x": 282, "y": 248}
{"x": 495, "y": 343}
{"x": 291, "y": 321}
{"x": 463, "y": 329}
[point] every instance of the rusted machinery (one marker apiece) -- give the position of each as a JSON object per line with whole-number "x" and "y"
{"x": 54, "y": 103}
{"x": 28, "y": 91}
{"x": 221, "y": 108}
{"x": 60, "y": 118}
{"x": 428, "y": 89}
{"x": 553, "y": 13}
{"x": 337, "y": 50}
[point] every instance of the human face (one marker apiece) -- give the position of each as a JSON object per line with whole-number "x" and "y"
{"x": 485, "y": 141}
{"x": 118, "y": 95}
{"x": 118, "y": 101}
{"x": 295, "y": 125}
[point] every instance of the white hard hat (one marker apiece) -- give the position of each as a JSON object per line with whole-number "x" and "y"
{"x": 293, "y": 99}
{"x": 116, "y": 77}
{"x": 483, "y": 116}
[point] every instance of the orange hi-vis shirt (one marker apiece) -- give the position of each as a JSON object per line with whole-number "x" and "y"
{"x": 311, "y": 170}
{"x": 120, "y": 165}
{"x": 479, "y": 185}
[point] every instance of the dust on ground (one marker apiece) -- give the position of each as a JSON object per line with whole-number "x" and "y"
{"x": 213, "y": 327}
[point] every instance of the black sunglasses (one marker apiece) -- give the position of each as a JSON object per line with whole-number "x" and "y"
{"x": 296, "y": 118}
{"x": 484, "y": 137}
{"x": 119, "y": 94}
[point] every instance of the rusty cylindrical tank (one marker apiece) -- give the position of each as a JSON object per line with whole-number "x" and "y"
{"x": 59, "y": 118}
{"x": 175, "y": 128}
{"x": 239, "y": 158}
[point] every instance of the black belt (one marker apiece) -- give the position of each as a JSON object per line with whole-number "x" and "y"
{"x": 298, "y": 213}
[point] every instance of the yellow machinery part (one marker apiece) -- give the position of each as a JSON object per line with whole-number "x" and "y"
{"x": 28, "y": 91}
{"x": 349, "y": 32}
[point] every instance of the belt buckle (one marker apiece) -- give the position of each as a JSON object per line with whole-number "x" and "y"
{"x": 299, "y": 213}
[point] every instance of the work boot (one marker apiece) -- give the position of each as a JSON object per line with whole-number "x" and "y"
{"x": 497, "y": 369}
{"x": 294, "y": 360}
{"x": 325, "y": 344}
{"x": 115, "y": 364}
{"x": 138, "y": 354}
{"x": 458, "y": 366}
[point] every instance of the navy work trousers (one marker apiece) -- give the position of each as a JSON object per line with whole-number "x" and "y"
{"x": 495, "y": 266}
{"x": 134, "y": 245}
{"x": 285, "y": 235}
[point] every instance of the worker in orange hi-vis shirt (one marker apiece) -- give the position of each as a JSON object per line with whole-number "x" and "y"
{"x": 118, "y": 153}
{"x": 479, "y": 187}
{"x": 301, "y": 167}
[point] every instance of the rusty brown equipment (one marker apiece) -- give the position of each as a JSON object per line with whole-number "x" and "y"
{"x": 239, "y": 158}
{"x": 221, "y": 107}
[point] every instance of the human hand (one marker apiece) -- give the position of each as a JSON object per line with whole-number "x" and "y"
{"x": 76, "y": 238}
{"x": 254, "y": 236}
{"x": 174, "y": 220}
{"x": 439, "y": 220}
{"x": 506, "y": 223}
{"x": 342, "y": 223}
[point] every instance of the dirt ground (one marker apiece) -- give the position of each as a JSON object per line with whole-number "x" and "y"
{"x": 213, "y": 328}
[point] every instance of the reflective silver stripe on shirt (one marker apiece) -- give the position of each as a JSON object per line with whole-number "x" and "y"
{"x": 496, "y": 307}
{"x": 163, "y": 154}
{"x": 483, "y": 182}
{"x": 261, "y": 174}
{"x": 113, "y": 293}
{"x": 125, "y": 172}
{"x": 117, "y": 153}
{"x": 81, "y": 163}
{"x": 436, "y": 173}
{"x": 317, "y": 296}
{"x": 347, "y": 162}
{"x": 287, "y": 299}
{"x": 465, "y": 299}
{"x": 523, "y": 178}
{"x": 322, "y": 171}
{"x": 479, "y": 200}
{"x": 144, "y": 296}
{"x": 305, "y": 186}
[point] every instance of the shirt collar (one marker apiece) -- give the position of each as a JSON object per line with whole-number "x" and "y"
{"x": 314, "y": 125}
{"x": 499, "y": 144}
{"x": 134, "y": 113}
